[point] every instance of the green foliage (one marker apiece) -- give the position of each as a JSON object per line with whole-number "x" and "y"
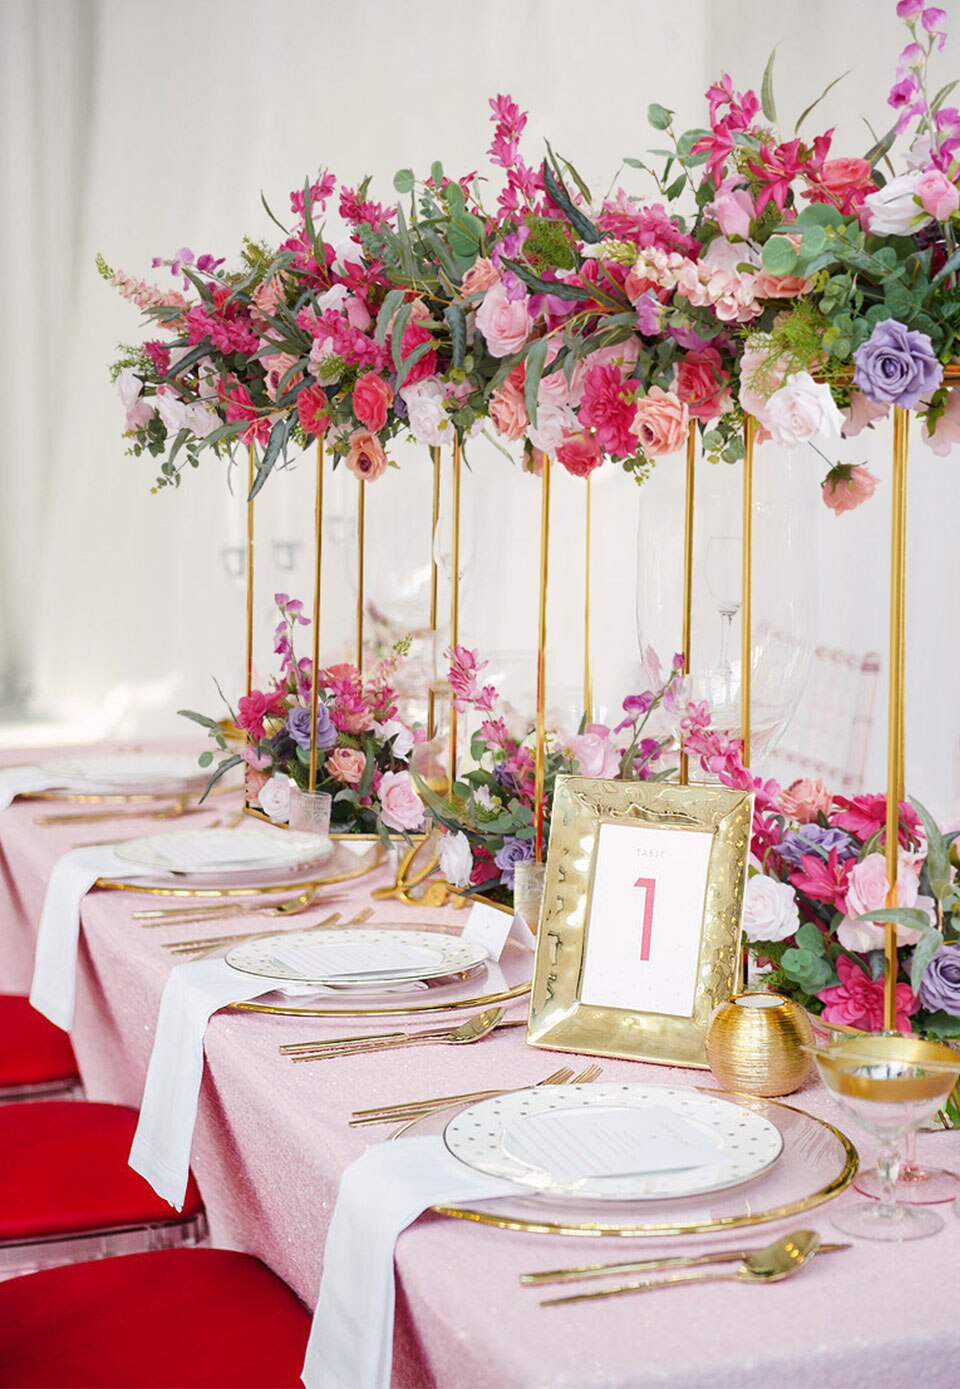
{"x": 658, "y": 116}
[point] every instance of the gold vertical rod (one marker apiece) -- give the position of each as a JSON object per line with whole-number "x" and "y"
{"x": 746, "y": 579}
{"x": 431, "y": 696}
{"x": 587, "y": 673}
{"x": 895, "y": 705}
{"x": 251, "y": 473}
{"x": 454, "y": 601}
{"x": 361, "y": 509}
{"x": 541, "y": 749}
{"x": 315, "y": 652}
{"x": 688, "y": 573}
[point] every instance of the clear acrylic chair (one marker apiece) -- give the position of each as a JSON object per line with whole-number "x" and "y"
{"x": 828, "y": 737}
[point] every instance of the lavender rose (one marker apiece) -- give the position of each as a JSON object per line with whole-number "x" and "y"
{"x": 940, "y": 986}
{"x": 896, "y": 365}
{"x": 298, "y": 722}
{"x": 811, "y": 838}
{"x": 514, "y": 851}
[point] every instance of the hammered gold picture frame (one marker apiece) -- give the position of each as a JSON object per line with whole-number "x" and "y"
{"x": 559, "y": 1018}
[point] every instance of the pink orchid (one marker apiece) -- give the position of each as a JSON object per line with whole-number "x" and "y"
{"x": 824, "y": 882}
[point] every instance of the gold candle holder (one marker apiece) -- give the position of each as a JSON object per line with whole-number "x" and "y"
{"x": 755, "y": 1044}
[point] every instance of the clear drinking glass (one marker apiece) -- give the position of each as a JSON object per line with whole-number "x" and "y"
{"x": 310, "y": 811}
{"x": 919, "y": 1185}
{"x": 528, "y": 881}
{"x": 890, "y": 1085}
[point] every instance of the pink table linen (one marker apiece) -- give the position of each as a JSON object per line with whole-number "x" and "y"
{"x": 272, "y": 1140}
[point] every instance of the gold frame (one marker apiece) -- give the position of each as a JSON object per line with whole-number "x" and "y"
{"x": 559, "y": 1021}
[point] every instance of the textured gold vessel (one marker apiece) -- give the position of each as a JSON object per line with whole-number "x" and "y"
{"x": 755, "y": 1044}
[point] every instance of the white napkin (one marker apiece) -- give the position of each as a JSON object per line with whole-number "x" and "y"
{"x": 54, "y": 987}
{"x": 168, "y": 1112}
{"x": 384, "y": 1191}
{"x": 15, "y": 781}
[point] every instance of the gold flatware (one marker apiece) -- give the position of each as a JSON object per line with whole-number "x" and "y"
{"x": 586, "y": 1077}
{"x": 191, "y": 947}
{"x": 472, "y": 1030}
{"x": 129, "y": 838}
{"x": 780, "y": 1260}
{"x": 390, "y": 1114}
{"x": 582, "y": 1272}
{"x": 166, "y": 812}
{"x": 163, "y": 916}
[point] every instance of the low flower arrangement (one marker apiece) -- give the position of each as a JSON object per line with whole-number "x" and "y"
{"x": 363, "y": 750}
{"x": 488, "y": 820}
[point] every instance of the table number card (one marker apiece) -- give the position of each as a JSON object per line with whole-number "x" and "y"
{"x": 640, "y": 933}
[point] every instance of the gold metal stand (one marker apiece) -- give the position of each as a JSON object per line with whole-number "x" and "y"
{"x": 251, "y": 473}
{"x": 361, "y": 509}
{"x": 431, "y": 695}
{"x": 540, "y": 751}
{"x": 746, "y": 578}
{"x": 895, "y": 705}
{"x": 688, "y": 573}
{"x": 587, "y": 673}
{"x": 315, "y": 652}
{"x": 454, "y": 605}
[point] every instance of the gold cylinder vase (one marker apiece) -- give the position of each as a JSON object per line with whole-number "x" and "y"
{"x": 755, "y": 1044}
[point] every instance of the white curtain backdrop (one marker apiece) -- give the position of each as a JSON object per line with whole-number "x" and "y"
{"x": 133, "y": 129}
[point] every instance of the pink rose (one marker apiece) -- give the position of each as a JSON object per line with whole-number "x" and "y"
{"x": 254, "y": 781}
{"x": 366, "y": 458}
{"x": 845, "y": 488}
{"x": 595, "y": 755}
{"x": 554, "y": 415}
{"x": 661, "y": 422}
{"x": 862, "y": 412}
{"x": 372, "y": 397}
{"x": 946, "y": 432}
{"x": 508, "y": 409}
{"x": 276, "y": 367}
{"x": 937, "y": 194}
{"x": 801, "y": 410}
{"x": 505, "y": 323}
{"x": 579, "y": 453}
{"x": 358, "y": 315}
{"x": 844, "y": 183}
{"x": 400, "y": 806}
{"x": 346, "y": 765}
{"x": 732, "y": 209}
{"x": 701, "y": 383}
{"x": 481, "y": 275}
{"x": 867, "y": 891}
{"x": 804, "y": 800}
{"x": 769, "y": 286}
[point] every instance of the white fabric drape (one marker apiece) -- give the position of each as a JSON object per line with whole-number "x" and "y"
{"x": 134, "y": 129}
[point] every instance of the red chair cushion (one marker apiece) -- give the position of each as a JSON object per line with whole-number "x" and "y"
{"x": 202, "y": 1318}
{"x": 31, "y": 1048}
{"x": 64, "y": 1170}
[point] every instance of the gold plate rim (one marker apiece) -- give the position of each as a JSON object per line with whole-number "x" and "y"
{"x": 480, "y": 1001}
{"x": 262, "y": 889}
{"x": 651, "y": 1231}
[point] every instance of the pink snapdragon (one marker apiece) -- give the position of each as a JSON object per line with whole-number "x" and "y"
{"x": 465, "y": 668}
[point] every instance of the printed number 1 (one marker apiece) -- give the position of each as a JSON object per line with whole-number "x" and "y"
{"x": 649, "y": 886}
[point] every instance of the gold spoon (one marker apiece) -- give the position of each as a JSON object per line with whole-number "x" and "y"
{"x": 181, "y": 916}
{"x": 785, "y": 1257}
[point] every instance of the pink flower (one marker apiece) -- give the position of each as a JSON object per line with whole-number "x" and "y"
{"x": 579, "y": 453}
{"x": 609, "y": 408}
{"x": 661, "y": 422}
{"x": 276, "y": 367}
{"x": 372, "y": 398}
{"x": 312, "y": 407}
{"x": 857, "y": 1001}
{"x": 481, "y": 275}
{"x": 508, "y": 409}
{"x": 465, "y": 668}
{"x": 732, "y": 210}
{"x": 701, "y": 383}
{"x": 594, "y": 753}
{"x": 414, "y": 336}
{"x": 254, "y": 781}
{"x": 555, "y": 418}
{"x": 400, "y": 806}
{"x": 767, "y": 286}
{"x": 824, "y": 882}
{"x": 861, "y": 413}
{"x": 937, "y": 194}
{"x": 801, "y": 410}
{"x": 869, "y": 891}
{"x": 253, "y": 708}
{"x": 505, "y": 323}
{"x": 946, "y": 431}
{"x": 346, "y": 765}
{"x": 844, "y": 183}
{"x": 847, "y": 485}
{"x": 366, "y": 458}
{"x": 804, "y": 800}
{"x": 866, "y": 815}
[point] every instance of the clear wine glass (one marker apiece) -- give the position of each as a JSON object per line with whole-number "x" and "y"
{"x": 722, "y": 572}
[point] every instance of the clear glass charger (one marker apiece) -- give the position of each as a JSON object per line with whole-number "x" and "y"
{"x": 340, "y": 866}
{"x": 817, "y": 1163}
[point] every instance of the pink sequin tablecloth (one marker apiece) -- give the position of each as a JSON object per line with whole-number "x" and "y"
{"x": 272, "y": 1140}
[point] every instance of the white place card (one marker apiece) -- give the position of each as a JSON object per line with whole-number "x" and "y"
{"x": 353, "y": 958}
{"x": 490, "y": 929}
{"x": 574, "y": 1144}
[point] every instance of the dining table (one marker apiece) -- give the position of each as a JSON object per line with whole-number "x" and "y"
{"x": 273, "y": 1138}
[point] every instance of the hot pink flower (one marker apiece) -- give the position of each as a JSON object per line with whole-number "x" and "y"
{"x": 239, "y": 406}
{"x": 312, "y": 407}
{"x": 866, "y": 815}
{"x": 701, "y": 383}
{"x": 847, "y": 485}
{"x": 400, "y": 806}
{"x": 414, "y": 336}
{"x": 609, "y": 408}
{"x": 372, "y": 397}
{"x": 857, "y": 1001}
{"x": 579, "y": 453}
{"x": 253, "y": 708}
{"x": 824, "y": 882}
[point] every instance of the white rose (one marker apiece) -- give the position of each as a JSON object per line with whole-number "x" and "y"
{"x": 802, "y": 410}
{"x": 129, "y": 386}
{"x": 554, "y": 416}
{"x": 275, "y": 797}
{"x": 324, "y": 362}
{"x": 894, "y": 210}
{"x": 426, "y": 414}
{"x": 201, "y": 419}
{"x": 769, "y": 908}
{"x": 456, "y": 860}
{"x": 172, "y": 410}
{"x": 333, "y": 298}
{"x": 347, "y": 252}
{"x": 401, "y": 735}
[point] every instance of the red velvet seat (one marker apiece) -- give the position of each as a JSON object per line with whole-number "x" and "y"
{"x": 202, "y": 1318}
{"x": 64, "y": 1173}
{"x": 35, "y": 1056}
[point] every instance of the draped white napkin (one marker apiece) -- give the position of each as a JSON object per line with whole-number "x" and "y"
{"x": 17, "y": 781}
{"x": 168, "y": 1112}
{"x": 384, "y": 1191}
{"x": 54, "y": 987}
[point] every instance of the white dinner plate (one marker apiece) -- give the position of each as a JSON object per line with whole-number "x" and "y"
{"x": 127, "y": 771}
{"x": 360, "y": 956}
{"x": 224, "y": 850}
{"x": 615, "y": 1142}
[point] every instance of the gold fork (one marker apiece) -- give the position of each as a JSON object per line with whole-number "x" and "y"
{"x": 166, "y": 812}
{"x": 182, "y": 916}
{"x": 473, "y": 1029}
{"x": 586, "y": 1077}
{"x": 204, "y": 943}
{"x": 389, "y": 1114}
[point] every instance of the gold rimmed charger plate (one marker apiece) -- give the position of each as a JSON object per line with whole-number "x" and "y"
{"x": 339, "y": 860}
{"x": 830, "y": 1185}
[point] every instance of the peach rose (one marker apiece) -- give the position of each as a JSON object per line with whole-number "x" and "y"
{"x": 845, "y": 488}
{"x": 803, "y": 800}
{"x": 580, "y": 453}
{"x": 508, "y": 409}
{"x": 769, "y": 286}
{"x": 366, "y": 458}
{"x": 481, "y": 275}
{"x": 661, "y": 422}
{"x": 504, "y": 323}
{"x": 346, "y": 765}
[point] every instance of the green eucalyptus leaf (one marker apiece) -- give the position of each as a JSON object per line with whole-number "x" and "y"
{"x": 404, "y": 181}
{"x": 411, "y": 360}
{"x": 388, "y": 308}
{"x": 779, "y": 256}
{"x": 814, "y": 104}
{"x": 397, "y": 332}
{"x": 581, "y": 224}
{"x": 557, "y": 288}
{"x": 536, "y": 358}
{"x": 457, "y": 323}
{"x": 220, "y": 771}
{"x": 911, "y": 917}
{"x": 202, "y": 719}
{"x": 279, "y": 435}
{"x": 436, "y": 172}
{"x": 658, "y": 116}
{"x": 767, "y": 102}
{"x": 810, "y": 937}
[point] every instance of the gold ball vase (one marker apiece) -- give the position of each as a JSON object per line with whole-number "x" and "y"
{"x": 755, "y": 1044}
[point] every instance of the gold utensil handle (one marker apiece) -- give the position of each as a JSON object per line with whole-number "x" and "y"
{"x": 643, "y": 1286}
{"x": 582, "y": 1272}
